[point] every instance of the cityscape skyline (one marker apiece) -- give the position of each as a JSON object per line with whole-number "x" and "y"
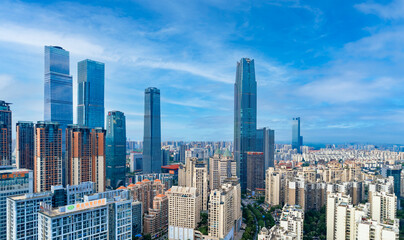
{"x": 344, "y": 103}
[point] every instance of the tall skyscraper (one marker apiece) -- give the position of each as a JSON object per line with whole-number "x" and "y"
{"x": 90, "y": 96}
{"x": 48, "y": 156}
{"x": 58, "y": 92}
{"x": 86, "y": 156}
{"x": 116, "y": 149}
{"x": 255, "y": 171}
{"x": 5, "y": 133}
{"x": 297, "y": 139}
{"x": 266, "y": 143}
{"x": 25, "y": 146}
{"x": 245, "y": 116}
{"x": 152, "y": 132}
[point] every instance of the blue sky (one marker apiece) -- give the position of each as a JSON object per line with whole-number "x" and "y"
{"x": 339, "y": 65}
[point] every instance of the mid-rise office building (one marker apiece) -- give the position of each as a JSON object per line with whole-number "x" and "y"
{"x": 152, "y": 132}
{"x": 225, "y": 211}
{"x": 90, "y": 95}
{"x": 22, "y": 215}
{"x": 5, "y": 133}
{"x": 136, "y": 161}
{"x": 25, "y": 145}
{"x": 115, "y": 149}
{"x": 297, "y": 139}
{"x": 183, "y": 212}
{"x": 195, "y": 174}
{"x": 48, "y": 156}
{"x": 245, "y": 116}
{"x": 71, "y": 194}
{"x": 255, "y": 171}
{"x": 395, "y": 172}
{"x": 266, "y": 143}
{"x": 86, "y": 156}
{"x": 12, "y": 182}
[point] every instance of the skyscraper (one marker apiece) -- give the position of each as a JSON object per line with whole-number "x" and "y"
{"x": 90, "y": 96}
{"x": 152, "y": 132}
{"x": 266, "y": 143}
{"x": 48, "y": 156}
{"x": 25, "y": 146}
{"x": 245, "y": 116}
{"x": 58, "y": 92}
{"x": 297, "y": 140}
{"x": 5, "y": 133}
{"x": 85, "y": 156}
{"x": 116, "y": 149}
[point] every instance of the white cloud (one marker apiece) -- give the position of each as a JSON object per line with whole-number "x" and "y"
{"x": 394, "y": 10}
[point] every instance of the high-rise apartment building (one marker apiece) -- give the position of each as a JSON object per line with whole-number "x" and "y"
{"x": 266, "y": 143}
{"x": 221, "y": 166}
{"x": 22, "y": 215}
{"x": 86, "y": 156}
{"x": 90, "y": 95}
{"x": 273, "y": 186}
{"x": 290, "y": 225}
{"x": 152, "y": 132}
{"x": 255, "y": 171}
{"x": 383, "y": 206}
{"x": 183, "y": 212}
{"x": 5, "y": 133}
{"x": 48, "y": 156}
{"x": 245, "y": 116}
{"x": 156, "y": 220}
{"x": 297, "y": 139}
{"x": 12, "y": 182}
{"x": 25, "y": 145}
{"x": 225, "y": 211}
{"x": 115, "y": 149}
{"x": 195, "y": 174}
{"x": 145, "y": 191}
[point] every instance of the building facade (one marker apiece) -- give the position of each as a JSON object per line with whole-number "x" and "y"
{"x": 48, "y": 156}
{"x": 297, "y": 139}
{"x": 183, "y": 212}
{"x": 245, "y": 116}
{"x": 266, "y": 143}
{"x": 152, "y": 132}
{"x": 5, "y": 134}
{"x": 12, "y": 182}
{"x": 22, "y": 215}
{"x": 255, "y": 171}
{"x": 25, "y": 145}
{"x": 90, "y": 95}
{"x": 115, "y": 149}
{"x": 85, "y": 156}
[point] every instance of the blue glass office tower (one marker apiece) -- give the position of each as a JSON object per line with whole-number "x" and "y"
{"x": 58, "y": 91}
{"x": 152, "y": 132}
{"x": 115, "y": 149}
{"x": 90, "y": 96}
{"x": 297, "y": 140}
{"x": 265, "y": 142}
{"x": 245, "y": 116}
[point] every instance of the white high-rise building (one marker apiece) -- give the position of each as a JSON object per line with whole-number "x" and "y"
{"x": 183, "y": 212}
{"x": 22, "y": 215}
{"x": 225, "y": 211}
{"x": 383, "y": 206}
{"x": 12, "y": 182}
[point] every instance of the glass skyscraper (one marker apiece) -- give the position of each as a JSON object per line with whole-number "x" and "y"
{"x": 152, "y": 132}
{"x": 90, "y": 96}
{"x": 58, "y": 92}
{"x": 115, "y": 149}
{"x": 297, "y": 140}
{"x": 265, "y": 142}
{"x": 245, "y": 116}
